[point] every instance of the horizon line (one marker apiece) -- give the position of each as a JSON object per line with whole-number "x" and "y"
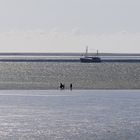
{"x": 59, "y": 53}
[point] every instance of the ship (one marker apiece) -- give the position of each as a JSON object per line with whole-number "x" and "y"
{"x": 90, "y": 59}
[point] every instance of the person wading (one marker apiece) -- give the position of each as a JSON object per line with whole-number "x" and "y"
{"x": 71, "y": 86}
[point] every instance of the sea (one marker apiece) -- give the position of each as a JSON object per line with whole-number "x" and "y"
{"x": 49, "y": 75}
{"x": 104, "y": 103}
{"x": 70, "y": 115}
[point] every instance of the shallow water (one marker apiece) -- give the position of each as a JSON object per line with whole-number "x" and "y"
{"x": 34, "y": 75}
{"x": 70, "y": 115}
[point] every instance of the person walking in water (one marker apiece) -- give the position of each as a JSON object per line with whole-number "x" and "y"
{"x": 62, "y": 86}
{"x": 71, "y": 86}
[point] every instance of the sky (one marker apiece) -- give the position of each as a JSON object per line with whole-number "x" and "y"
{"x": 70, "y": 25}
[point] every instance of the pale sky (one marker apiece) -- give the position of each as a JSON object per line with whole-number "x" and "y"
{"x": 70, "y": 25}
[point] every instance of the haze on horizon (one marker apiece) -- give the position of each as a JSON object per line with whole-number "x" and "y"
{"x": 70, "y": 25}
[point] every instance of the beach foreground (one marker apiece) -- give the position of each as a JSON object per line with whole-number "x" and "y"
{"x": 70, "y": 115}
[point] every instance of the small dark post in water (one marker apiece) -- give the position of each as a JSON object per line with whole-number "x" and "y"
{"x": 71, "y": 86}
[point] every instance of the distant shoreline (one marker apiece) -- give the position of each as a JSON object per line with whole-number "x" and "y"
{"x": 38, "y": 60}
{"x": 64, "y": 54}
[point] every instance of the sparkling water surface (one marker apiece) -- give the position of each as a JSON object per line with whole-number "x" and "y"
{"x": 70, "y": 115}
{"x": 45, "y": 75}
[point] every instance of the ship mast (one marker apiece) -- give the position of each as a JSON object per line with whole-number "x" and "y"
{"x": 86, "y": 54}
{"x": 97, "y": 52}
